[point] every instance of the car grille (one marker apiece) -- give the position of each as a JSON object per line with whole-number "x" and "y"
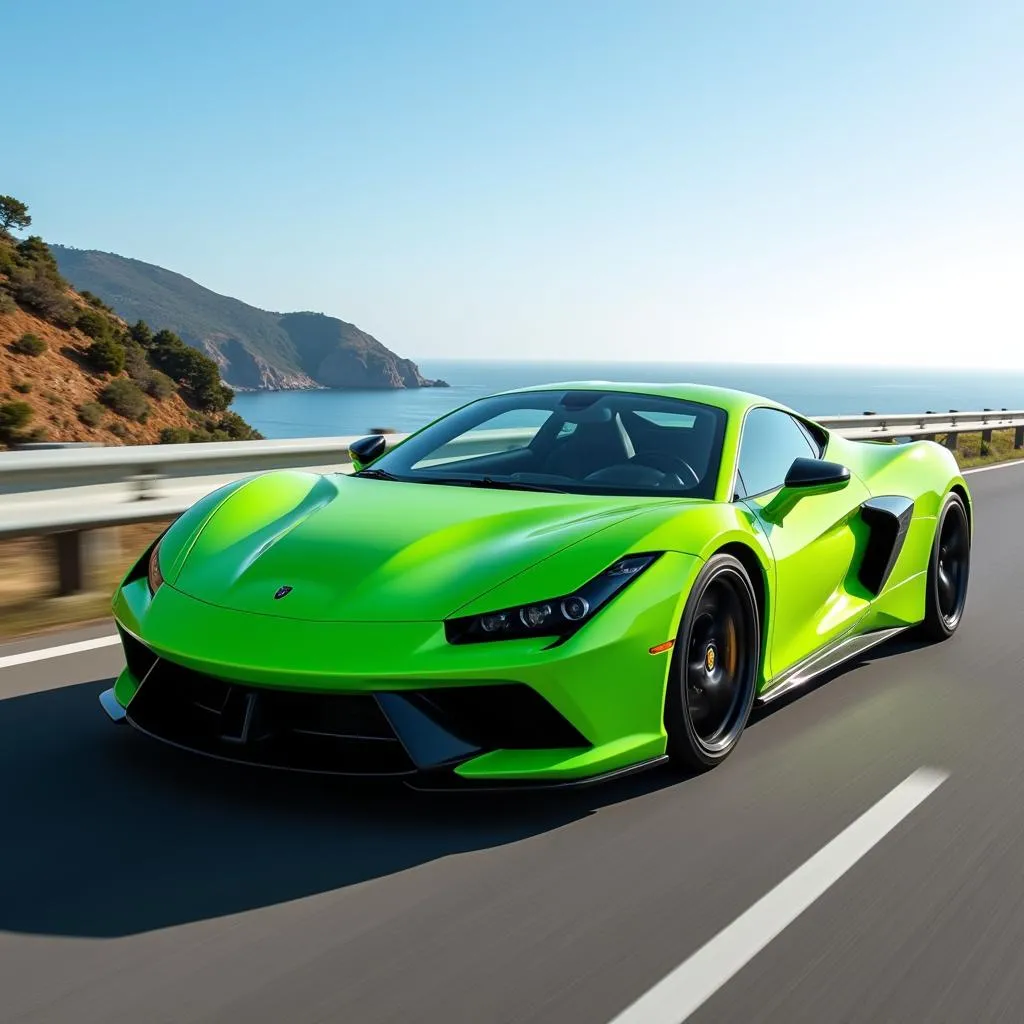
{"x": 343, "y": 734}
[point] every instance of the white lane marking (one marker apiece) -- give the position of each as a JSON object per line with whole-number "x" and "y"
{"x": 998, "y": 465}
{"x": 695, "y": 980}
{"x": 24, "y": 657}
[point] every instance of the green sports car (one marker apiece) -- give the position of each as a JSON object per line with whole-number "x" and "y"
{"x": 551, "y": 585}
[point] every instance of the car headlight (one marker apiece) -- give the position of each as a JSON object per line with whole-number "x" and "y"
{"x": 559, "y": 616}
{"x": 153, "y": 573}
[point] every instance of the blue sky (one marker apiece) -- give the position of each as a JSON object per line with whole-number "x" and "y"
{"x": 563, "y": 179}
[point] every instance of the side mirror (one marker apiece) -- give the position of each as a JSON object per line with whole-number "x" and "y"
{"x": 815, "y": 476}
{"x": 806, "y": 477}
{"x": 366, "y": 450}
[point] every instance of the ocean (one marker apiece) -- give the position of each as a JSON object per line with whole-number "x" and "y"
{"x": 812, "y": 390}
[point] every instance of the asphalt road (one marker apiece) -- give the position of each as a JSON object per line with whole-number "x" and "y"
{"x": 139, "y": 885}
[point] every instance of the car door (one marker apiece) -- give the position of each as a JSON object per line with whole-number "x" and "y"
{"x": 814, "y": 546}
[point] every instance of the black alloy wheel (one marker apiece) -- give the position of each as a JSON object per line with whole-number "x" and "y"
{"x": 949, "y": 571}
{"x": 714, "y": 673}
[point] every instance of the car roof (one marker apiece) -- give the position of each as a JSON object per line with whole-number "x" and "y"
{"x": 732, "y": 401}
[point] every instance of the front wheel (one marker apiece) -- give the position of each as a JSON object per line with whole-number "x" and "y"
{"x": 949, "y": 569}
{"x": 713, "y": 677}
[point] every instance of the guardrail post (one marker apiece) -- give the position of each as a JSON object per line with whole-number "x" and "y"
{"x": 145, "y": 484}
{"x": 78, "y": 554}
{"x": 986, "y": 437}
{"x": 954, "y": 435}
{"x": 1018, "y": 437}
{"x": 71, "y": 562}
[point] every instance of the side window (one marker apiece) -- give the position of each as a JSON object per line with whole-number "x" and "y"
{"x": 740, "y": 491}
{"x": 771, "y": 441}
{"x": 817, "y": 443}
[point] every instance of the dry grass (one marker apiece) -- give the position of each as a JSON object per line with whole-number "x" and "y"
{"x": 28, "y": 580}
{"x": 971, "y": 451}
{"x": 61, "y": 383}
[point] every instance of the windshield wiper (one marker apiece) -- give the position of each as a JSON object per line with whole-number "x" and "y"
{"x": 512, "y": 485}
{"x": 487, "y": 481}
{"x": 376, "y": 474}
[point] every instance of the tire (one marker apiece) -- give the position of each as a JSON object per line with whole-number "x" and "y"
{"x": 713, "y": 677}
{"x": 949, "y": 570}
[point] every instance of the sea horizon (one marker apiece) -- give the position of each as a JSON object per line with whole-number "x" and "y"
{"x": 815, "y": 390}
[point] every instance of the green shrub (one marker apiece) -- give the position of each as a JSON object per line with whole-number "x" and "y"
{"x": 13, "y": 416}
{"x": 23, "y": 387}
{"x": 106, "y": 355}
{"x": 94, "y": 324}
{"x": 29, "y": 436}
{"x": 227, "y": 427}
{"x": 95, "y": 301}
{"x": 118, "y": 429}
{"x": 40, "y": 292}
{"x": 52, "y": 397}
{"x": 29, "y": 345}
{"x": 175, "y": 435}
{"x": 136, "y": 363}
{"x": 91, "y": 413}
{"x": 125, "y": 398}
{"x": 203, "y": 436}
{"x": 237, "y": 429}
{"x": 158, "y": 385}
{"x": 7, "y": 303}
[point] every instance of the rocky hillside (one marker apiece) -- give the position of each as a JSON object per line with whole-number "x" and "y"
{"x": 254, "y": 348}
{"x": 72, "y": 370}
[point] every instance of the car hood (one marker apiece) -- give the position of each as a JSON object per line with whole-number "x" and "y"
{"x": 373, "y": 550}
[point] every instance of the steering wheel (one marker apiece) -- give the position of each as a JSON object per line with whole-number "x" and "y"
{"x": 670, "y": 465}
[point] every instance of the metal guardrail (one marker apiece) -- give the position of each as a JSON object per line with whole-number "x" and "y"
{"x": 71, "y": 491}
{"x": 871, "y": 426}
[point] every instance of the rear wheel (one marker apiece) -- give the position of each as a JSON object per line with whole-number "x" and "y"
{"x": 713, "y": 678}
{"x": 949, "y": 570}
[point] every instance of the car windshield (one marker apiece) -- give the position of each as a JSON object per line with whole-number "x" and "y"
{"x": 574, "y": 441}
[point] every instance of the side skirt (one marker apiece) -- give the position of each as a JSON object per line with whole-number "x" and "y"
{"x": 824, "y": 660}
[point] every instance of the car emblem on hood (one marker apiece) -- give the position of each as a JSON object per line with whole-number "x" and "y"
{"x": 282, "y": 592}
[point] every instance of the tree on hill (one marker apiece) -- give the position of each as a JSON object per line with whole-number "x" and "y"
{"x": 197, "y": 374}
{"x": 34, "y": 250}
{"x": 13, "y": 214}
{"x": 33, "y": 279}
{"x": 106, "y": 355}
{"x": 141, "y": 333}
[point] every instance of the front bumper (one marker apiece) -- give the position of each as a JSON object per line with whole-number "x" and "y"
{"x": 395, "y": 699}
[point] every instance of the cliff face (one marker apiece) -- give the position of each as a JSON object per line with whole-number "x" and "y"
{"x": 336, "y": 354}
{"x": 248, "y": 371}
{"x": 254, "y": 348}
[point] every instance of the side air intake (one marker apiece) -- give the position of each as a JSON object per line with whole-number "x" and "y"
{"x": 888, "y": 519}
